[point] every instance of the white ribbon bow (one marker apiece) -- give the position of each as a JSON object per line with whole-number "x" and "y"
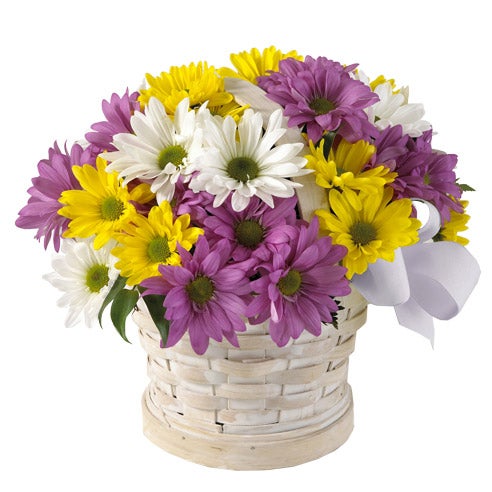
{"x": 425, "y": 281}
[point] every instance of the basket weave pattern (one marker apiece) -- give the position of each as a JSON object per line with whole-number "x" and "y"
{"x": 251, "y": 398}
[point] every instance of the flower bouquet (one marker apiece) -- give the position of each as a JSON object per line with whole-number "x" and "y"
{"x": 246, "y": 216}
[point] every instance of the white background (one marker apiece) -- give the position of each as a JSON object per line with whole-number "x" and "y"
{"x": 70, "y": 398}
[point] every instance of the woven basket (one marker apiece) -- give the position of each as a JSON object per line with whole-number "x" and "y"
{"x": 256, "y": 407}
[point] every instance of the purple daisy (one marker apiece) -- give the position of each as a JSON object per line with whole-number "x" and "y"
{"x": 430, "y": 176}
{"x": 321, "y": 94}
{"x": 422, "y": 172}
{"x": 118, "y": 112}
{"x": 256, "y": 231}
{"x": 390, "y": 144}
{"x": 422, "y": 143}
{"x": 186, "y": 201}
{"x": 296, "y": 289}
{"x": 204, "y": 296}
{"x": 55, "y": 177}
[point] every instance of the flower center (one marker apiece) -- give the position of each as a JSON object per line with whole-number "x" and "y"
{"x": 363, "y": 233}
{"x": 242, "y": 169}
{"x": 320, "y": 105}
{"x": 427, "y": 179}
{"x": 112, "y": 208}
{"x": 439, "y": 236}
{"x": 158, "y": 250}
{"x": 97, "y": 277}
{"x": 200, "y": 290}
{"x": 290, "y": 284}
{"x": 249, "y": 233}
{"x": 173, "y": 154}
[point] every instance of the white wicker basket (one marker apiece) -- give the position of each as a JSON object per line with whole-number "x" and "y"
{"x": 256, "y": 407}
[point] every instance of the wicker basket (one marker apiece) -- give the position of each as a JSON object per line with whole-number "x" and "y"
{"x": 254, "y": 408}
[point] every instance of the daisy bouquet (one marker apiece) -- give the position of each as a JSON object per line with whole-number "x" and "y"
{"x": 223, "y": 197}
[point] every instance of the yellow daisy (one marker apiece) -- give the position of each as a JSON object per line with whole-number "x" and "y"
{"x": 230, "y": 109}
{"x": 253, "y": 64}
{"x": 344, "y": 169}
{"x": 198, "y": 82}
{"x": 458, "y": 223}
{"x": 381, "y": 79}
{"x": 372, "y": 229}
{"x": 151, "y": 241}
{"x": 102, "y": 207}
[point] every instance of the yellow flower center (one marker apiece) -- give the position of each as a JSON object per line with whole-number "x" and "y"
{"x": 321, "y": 105}
{"x": 173, "y": 154}
{"x": 290, "y": 284}
{"x": 200, "y": 290}
{"x": 363, "y": 233}
{"x": 242, "y": 169}
{"x": 158, "y": 250}
{"x": 112, "y": 208}
{"x": 249, "y": 233}
{"x": 97, "y": 277}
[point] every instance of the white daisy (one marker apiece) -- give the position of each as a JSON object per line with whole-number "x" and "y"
{"x": 394, "y": 109}
{"x": 85, "y": 276}
{"x": 250, "y": 164}
{"x": 160, "y": 150}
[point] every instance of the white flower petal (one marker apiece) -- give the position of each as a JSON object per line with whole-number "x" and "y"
{"x": 239, "y": 201}
{"x": 70, "y": 274}
{"x": 138, "y": 154}
{"x": 393, "y": 109}
{"x": 410, "y": 113}
{"x": 250, "y": 128}
{"x": 275, "y": 164}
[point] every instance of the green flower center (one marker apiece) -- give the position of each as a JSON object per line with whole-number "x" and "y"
{"x": 112, "y": 208}
{"x": 440, "y": 236}
{"x": 363, "y": 233}
{"x": 97, "y": 277}
{"x": 158, "y": 250}
{"x": 427, "y": 179}
{"x": 320, "y": 105}
{"x": 173, "y": 154}
{"x": 249, "y": 233}
{"x": 242, "y": 169}
{"x": 290, "y": 284}
{"x": 200, "y": 290}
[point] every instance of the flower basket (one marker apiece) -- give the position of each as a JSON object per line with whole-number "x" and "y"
{"x": 247, "y": 217}
{"x": 255, "y": 407}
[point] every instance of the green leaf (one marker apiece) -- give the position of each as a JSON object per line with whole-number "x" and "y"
{"x": 465, "y": 187}
{"x": 123, "y": 304}
{"x": 329, "y": 138}
{"x": 118, "y": 286}
{"x": 155, "y": 305}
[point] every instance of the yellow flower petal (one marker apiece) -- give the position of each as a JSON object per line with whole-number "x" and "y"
{"x": 457, "y": 223}
{"x": 344, "y": 168}
{"x": 352, "y": 156}
{"x": 370, "y": 225}
{"x": 199, "y": 82}
{"x": 150, "y": 238}
{"x": 252, "y": 64}
{"x": 101, "y": 208}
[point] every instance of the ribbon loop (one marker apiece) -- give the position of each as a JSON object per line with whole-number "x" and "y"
{"x": 442, "y": 276}
{"x": 433, "y": 224}
{"x": 384, "y": 283}
{"x": 426, "y": 280}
